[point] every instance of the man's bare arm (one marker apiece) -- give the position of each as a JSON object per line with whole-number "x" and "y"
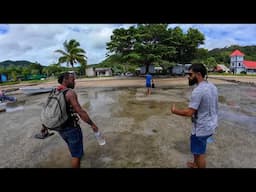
{"x": 183, "y": 112}
{"x": 71, "y": 97}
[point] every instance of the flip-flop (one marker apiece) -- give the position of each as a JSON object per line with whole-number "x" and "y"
{"x": 43, "y": 136}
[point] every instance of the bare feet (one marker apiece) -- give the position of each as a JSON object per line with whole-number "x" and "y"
{"x": 191, "y": 165}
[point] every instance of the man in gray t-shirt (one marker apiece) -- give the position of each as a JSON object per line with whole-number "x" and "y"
{"x": 203, "y": 108}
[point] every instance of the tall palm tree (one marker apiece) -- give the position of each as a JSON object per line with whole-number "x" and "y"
{"x": 72, "y": 54}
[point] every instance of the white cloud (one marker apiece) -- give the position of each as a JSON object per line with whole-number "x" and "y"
{"x": 37, "y": 42}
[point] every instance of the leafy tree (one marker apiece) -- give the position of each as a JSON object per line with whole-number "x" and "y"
{"x": 54, "y": 69}
{"x": 138, "y": 44}
{"x": 36, "y": 68}
{"x": 72, "y": 54}
{"x": 25, "y": 71}
{"x": 187, "y": 49}
{"x": 146, "y": 44}
{"x": 12, "y": 72}
{"x": 210, "y": 63}
{"x": 200, "y": 55}
{"x": 149, "y": 44}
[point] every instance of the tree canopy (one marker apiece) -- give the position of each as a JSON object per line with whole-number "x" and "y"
{"x": 145, "y": 44}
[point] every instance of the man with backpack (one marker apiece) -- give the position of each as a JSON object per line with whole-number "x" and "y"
{"x": 70, "y": 130}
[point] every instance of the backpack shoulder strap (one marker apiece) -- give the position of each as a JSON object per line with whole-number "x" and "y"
{"x": 65, "y": 90}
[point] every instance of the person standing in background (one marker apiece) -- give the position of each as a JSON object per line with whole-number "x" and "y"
{"x": 148, "y": 83}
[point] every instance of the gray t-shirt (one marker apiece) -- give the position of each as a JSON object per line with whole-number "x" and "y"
{"x": 204, "y": 99}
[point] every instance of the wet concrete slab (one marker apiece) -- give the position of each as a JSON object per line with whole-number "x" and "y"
{"x": 140, "y": 130}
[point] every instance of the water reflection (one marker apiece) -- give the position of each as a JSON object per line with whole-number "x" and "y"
{"x": 237, "y": 106}
{"x": 16, "y": 106}
{"x": 236, "y": 103}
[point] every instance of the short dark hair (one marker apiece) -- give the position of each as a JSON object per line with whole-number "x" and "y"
{"x": 198, "y": 67}
{"x": 62, "y": 76}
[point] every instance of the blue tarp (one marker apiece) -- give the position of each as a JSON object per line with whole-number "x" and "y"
{"x": 3, "y": 78}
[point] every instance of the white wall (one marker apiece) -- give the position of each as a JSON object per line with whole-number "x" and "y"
{"x": 90, "y": 72}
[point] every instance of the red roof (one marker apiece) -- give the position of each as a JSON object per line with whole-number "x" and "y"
{"x": 250, "y": 64}
{"x": 236, "y": 53}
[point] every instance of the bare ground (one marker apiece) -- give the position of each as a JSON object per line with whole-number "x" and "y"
{"x": 135, "y": 137}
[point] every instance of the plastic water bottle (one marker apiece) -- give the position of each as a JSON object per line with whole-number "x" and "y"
{"x": 210, "y": 139}
{"x": 100, "y": 138}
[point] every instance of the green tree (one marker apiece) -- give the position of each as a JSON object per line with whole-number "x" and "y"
{"x": 200, "y": 55}
{"x": 72, "y": 54}
{"x": 54, "y": 69}
{"x": 154, "y": 43}
{"x": 210, "y": 62}
{"x": 139, "y": 44}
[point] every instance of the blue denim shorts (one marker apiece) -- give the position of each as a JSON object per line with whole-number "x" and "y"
{"x": 74, "y": 139}
{"x": 198, "y": 144}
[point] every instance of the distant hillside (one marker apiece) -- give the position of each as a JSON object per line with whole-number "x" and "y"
{"x": 222, "y": 54}
{"x": 10, "y": 63}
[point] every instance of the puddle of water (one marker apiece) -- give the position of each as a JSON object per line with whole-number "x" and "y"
{"x": 236, "y": 103}
{"x": 16, "y": 106}
{"x": 13, "y": 109}
{"x": 132, "y": 103}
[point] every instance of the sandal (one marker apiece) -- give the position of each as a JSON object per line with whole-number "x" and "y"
{"x": 43, "y": 135}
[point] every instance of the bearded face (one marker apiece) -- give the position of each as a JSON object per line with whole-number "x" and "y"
{"x": 192, "y": 80}
{"x": 71, "y": 82}
{"x": 71, "y": 85}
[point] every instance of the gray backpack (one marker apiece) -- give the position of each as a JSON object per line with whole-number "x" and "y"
{"x": 54, "y": 114}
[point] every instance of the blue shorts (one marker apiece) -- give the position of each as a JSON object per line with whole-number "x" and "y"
{"x": 74, "y": 139}
{"x": 198, "y": 144}
{"x": 148, "y": 85}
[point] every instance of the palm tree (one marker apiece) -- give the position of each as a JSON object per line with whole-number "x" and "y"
{"x": 72, "y": 54}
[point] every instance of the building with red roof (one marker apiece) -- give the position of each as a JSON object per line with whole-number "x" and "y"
{"x": 239, "y": 65}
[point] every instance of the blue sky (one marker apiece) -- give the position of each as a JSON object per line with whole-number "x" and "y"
{"x": 37, "y": 42}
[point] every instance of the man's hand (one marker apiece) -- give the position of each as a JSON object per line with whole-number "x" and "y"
{"x": 94, "y": 128}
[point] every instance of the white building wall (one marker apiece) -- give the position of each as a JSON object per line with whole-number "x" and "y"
{"x": 151, "y": 69}
{"x": 90, "y": 72}
{"x": 236, "y": 64}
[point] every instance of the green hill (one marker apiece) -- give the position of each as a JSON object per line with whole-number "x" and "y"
{"x": 221, "y": 55}
{"x": 9, "y": 63}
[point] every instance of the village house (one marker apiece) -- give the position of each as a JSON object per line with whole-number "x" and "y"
{"x": 99, "y": 72}
{"x": 151, "y": 69}
{"x": 238, "y": 65}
